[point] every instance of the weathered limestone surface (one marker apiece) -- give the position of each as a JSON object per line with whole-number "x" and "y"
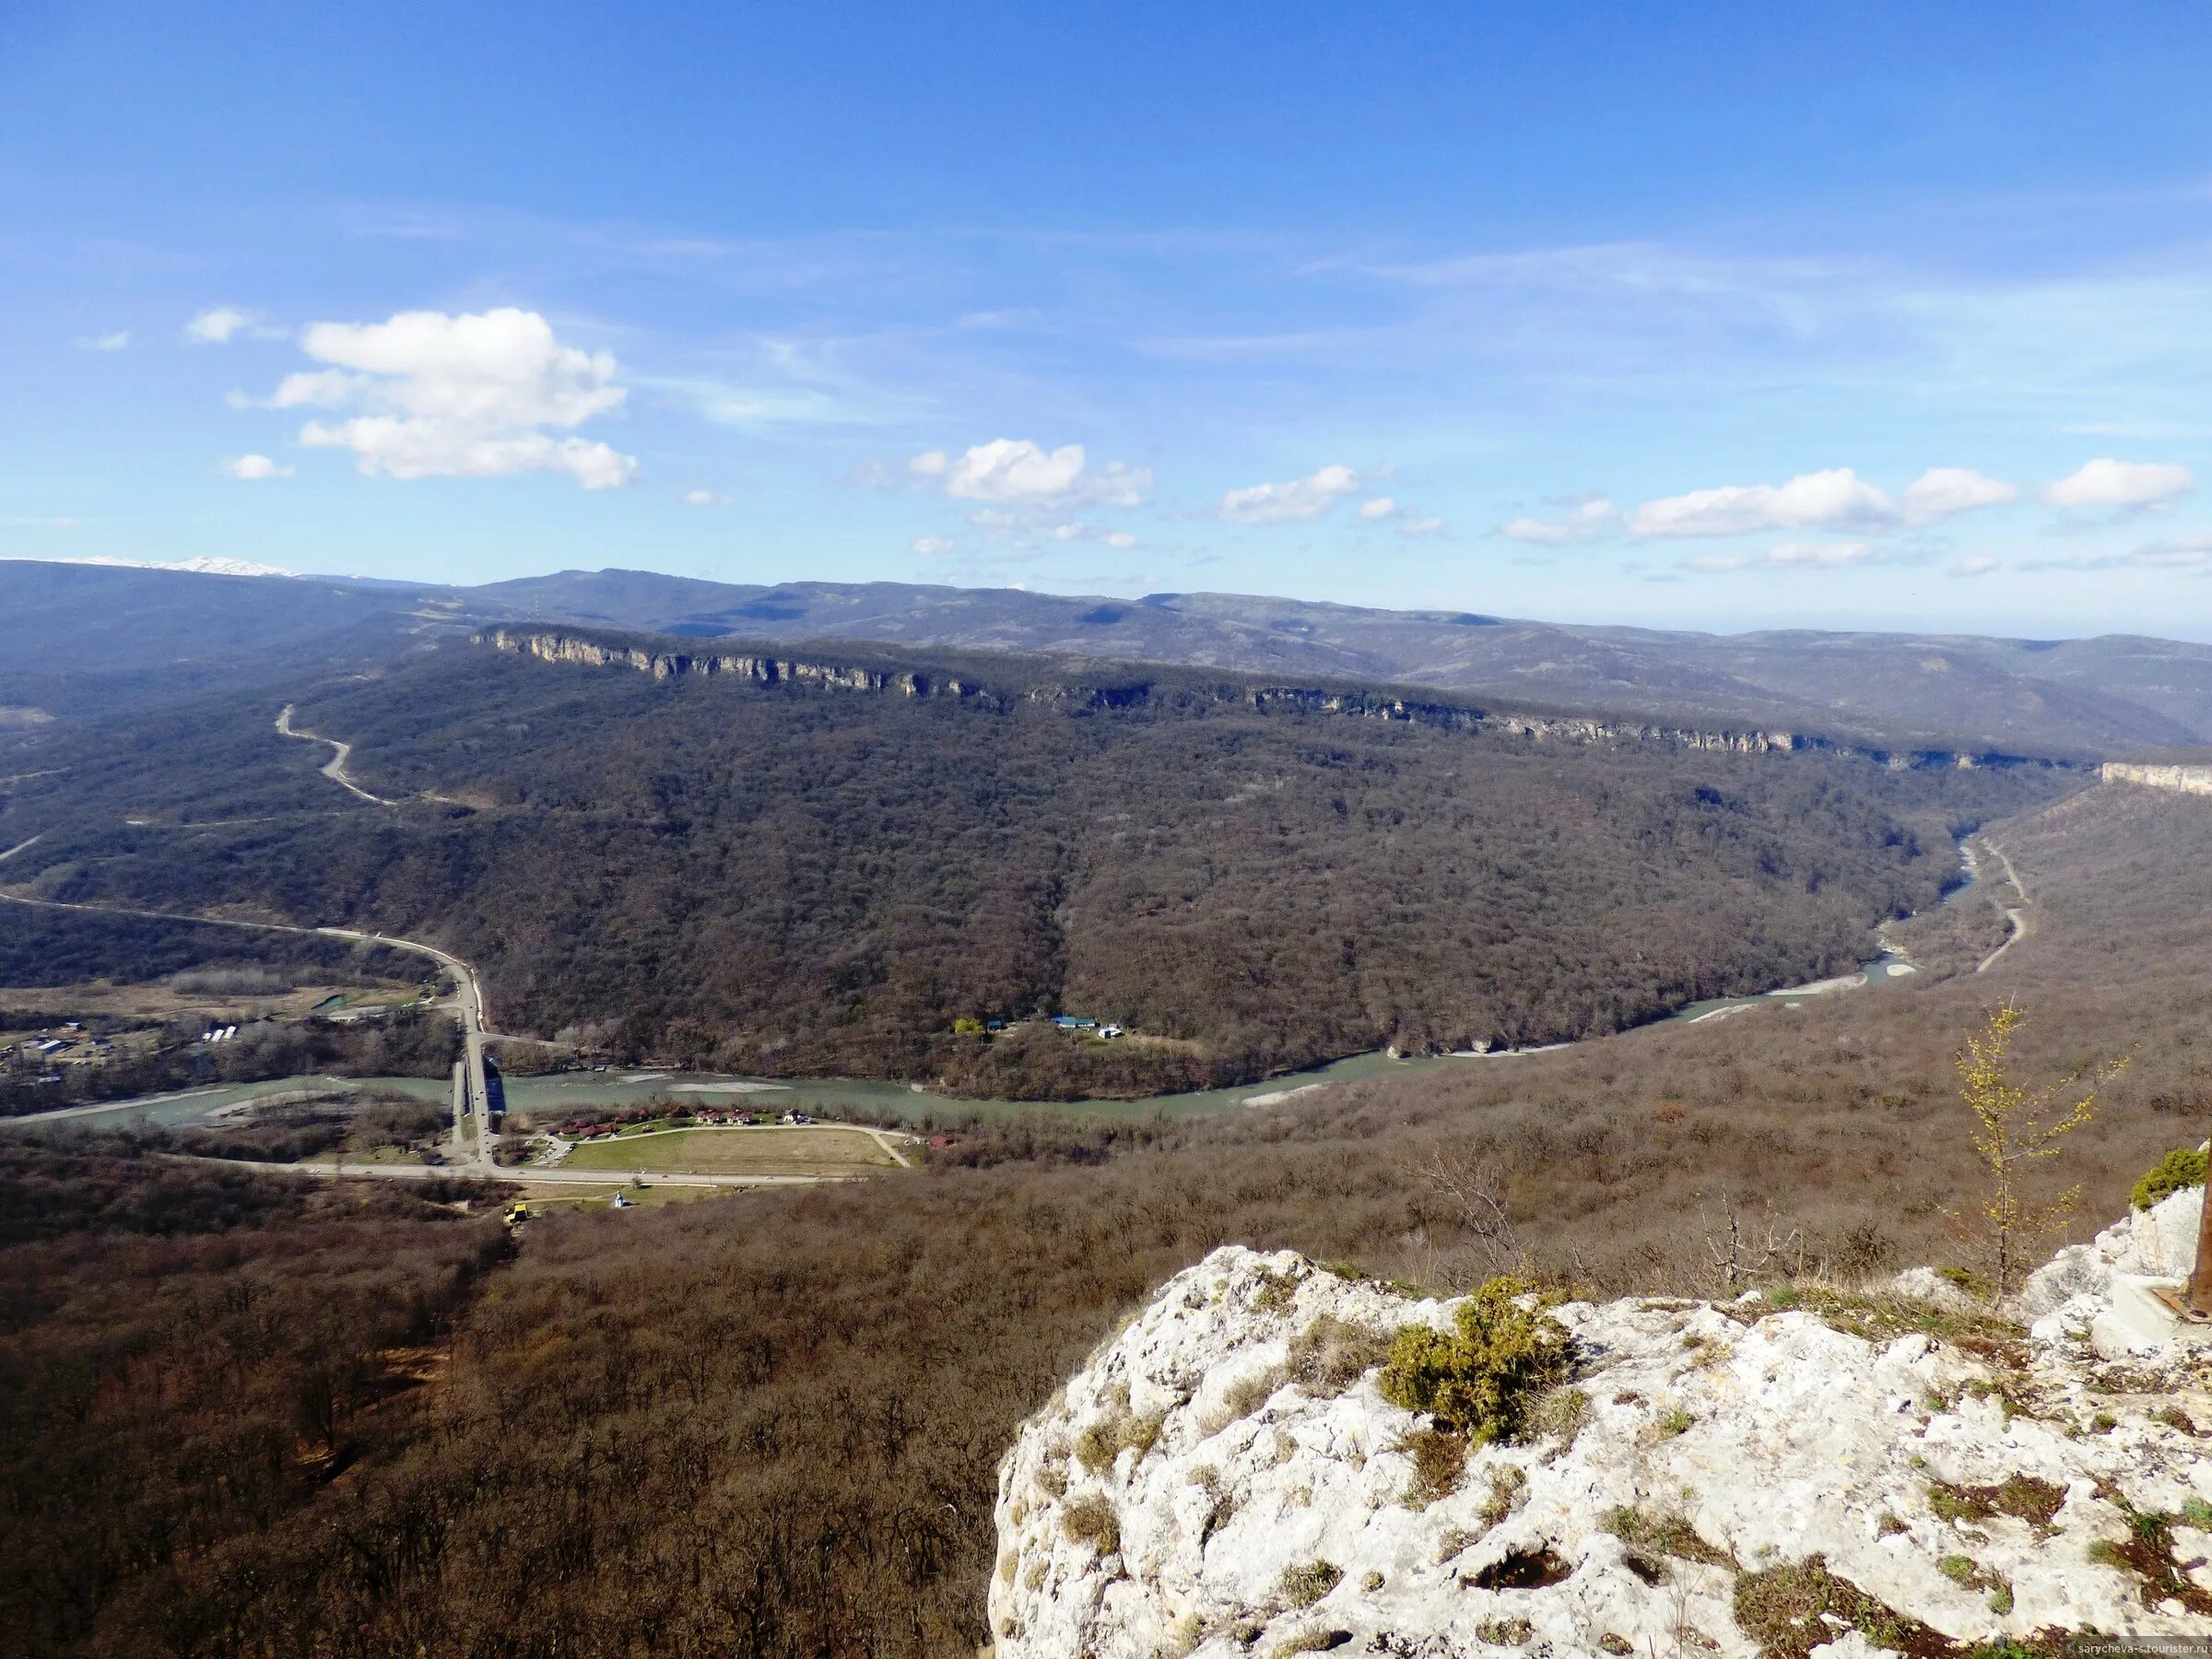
{"x": 2188, "y": 780}
{"x": 1768, "y": 1435}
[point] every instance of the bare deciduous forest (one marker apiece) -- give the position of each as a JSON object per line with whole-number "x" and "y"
{"x": 1415, "y": 800}
{"x": 188, "y": 1357}
{"x": 787, "y": 881}
{"x": 770, "y": 1425}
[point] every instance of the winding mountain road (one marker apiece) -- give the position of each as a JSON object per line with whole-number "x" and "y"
{"x": 335, "y": 768}
{"x": 2016, "y": 918}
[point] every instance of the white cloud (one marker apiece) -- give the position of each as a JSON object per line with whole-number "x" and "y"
{"x": 113, "y": 340}
{"x": 928, "y": 544}
{"x": 2191, "y": 553}
{"x": 1284, "y": 503}
{"x": 1586, "y": 522}
{"x": 458, "y": 397}
{"x": 252, "y": 468}
{"x": 1829, "y": 554}
{"x": 1012, "y": 469}
{"x": 704, "y": 498}
{"x": 314, "y": 388}
{"x": 496, "y": 368}
{"x": 1836, "y": 497}
{"x": 1942, "y": 491}
{"x": 1015, "y": 471}
{"x": 218, "y": 325}
{"x": 1098, "y": 533}
{"x": 2108, "y": 483}
{"x": 1789, "y": 556}
{"x": 387, "y": 447}
{"x": 1976, "y": 564}
{"x": 1412, "y": 524}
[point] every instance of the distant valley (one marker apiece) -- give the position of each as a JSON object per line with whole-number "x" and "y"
{"x": 763, "y": 831}
{"x": 763, "y": 870}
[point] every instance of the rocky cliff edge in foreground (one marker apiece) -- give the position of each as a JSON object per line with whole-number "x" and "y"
{"x": 1778, "y": 1475}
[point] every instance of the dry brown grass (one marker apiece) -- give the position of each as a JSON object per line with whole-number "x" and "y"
{"x": 820, "y": 1149}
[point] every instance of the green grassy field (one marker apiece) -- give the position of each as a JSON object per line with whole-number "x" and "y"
{"x": 820, "y": 1149}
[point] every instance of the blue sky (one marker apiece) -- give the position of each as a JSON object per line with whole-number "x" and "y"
{"x": 1715, "y": 316}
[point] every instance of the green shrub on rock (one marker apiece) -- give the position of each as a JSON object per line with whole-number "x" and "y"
{"x": 1480, "y": 1378}
{"x": 2177, "y": 1170}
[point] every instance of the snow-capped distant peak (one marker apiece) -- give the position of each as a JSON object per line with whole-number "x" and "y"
{"x": 201, "y": 566}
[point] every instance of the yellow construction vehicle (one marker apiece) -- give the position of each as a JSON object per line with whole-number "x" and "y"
{"x": 517, "y": 1214}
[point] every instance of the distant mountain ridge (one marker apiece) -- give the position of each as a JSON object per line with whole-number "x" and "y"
{"x": 2101, "y": 695}
{"x": 914, "y": 673}
{"x": 93, "y": 633}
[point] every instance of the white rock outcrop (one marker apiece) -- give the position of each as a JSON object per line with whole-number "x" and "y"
{"x": 2100, "y": 1291}
{"x": 2158, "y": 1242}
{"x": 1880, "y": 1471}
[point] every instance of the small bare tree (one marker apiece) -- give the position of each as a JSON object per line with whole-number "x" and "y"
{"x": 2016, "y": 1129}
{"x": 1741, "y": 1251}
{"x": 1473, "y": 1191}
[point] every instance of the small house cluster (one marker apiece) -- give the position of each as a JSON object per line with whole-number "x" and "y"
{"x": 703, "y": 1117}
{"x": 1085, "y": 1022}
{"x": 66, "y": 1044}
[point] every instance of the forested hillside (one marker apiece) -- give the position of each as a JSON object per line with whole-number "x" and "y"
{"x": 87, "y": 640}
{"x": 770, "y": 1426}
{"x": 189, "y": 1355}
{"x": 779, "y": 878}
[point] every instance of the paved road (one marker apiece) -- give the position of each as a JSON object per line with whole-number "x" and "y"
{"x": 468, "y": 1005}
{"x": 524, "y": 1174}
{"x": 63, "y": 1113}
{"x": 467, "y": 1002}
{"x": 335, "y": 768}
{"x": 885, "y": 1139}
{"x": 2016, "y": 919}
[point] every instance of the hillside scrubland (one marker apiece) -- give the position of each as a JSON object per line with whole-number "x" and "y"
{"x": 191, "y": 1358}
{"x": 772, "y": 1425}
{"x": 792, "y": 881}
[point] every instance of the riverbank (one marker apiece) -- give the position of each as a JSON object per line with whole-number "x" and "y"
{"x": 556, "y": 1095}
